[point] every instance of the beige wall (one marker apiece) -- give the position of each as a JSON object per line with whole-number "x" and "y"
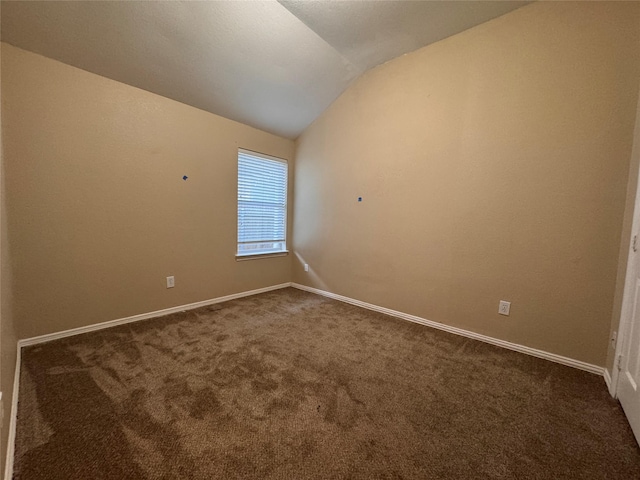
{"x": 492, "y": 165}
{"x": 7, "y": 331}
{"x": 98, "y": 212}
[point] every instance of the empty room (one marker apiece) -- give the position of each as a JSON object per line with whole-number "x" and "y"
{"x": 319, "y": 240}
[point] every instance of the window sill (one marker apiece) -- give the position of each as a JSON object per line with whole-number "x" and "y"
{"x": 255, "y": 256}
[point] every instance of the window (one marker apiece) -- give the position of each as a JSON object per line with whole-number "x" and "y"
{"x": 262, "y": 204}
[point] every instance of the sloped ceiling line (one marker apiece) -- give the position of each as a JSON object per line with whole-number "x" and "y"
{"x": 273, "y": 65}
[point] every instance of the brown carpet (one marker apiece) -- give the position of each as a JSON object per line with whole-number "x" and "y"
{"x": 291, "y": 385}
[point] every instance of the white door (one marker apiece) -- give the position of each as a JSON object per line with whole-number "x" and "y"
{"x": 628, "y": 389}
{"x": 626, "y": 373}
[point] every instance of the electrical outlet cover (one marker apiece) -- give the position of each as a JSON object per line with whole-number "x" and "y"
{"x": 504, "y": 307}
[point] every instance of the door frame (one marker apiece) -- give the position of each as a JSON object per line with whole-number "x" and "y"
{"x": 626, "y": 312}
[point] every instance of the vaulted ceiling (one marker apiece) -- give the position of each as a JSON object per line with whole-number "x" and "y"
{"x": 272, "y": 65}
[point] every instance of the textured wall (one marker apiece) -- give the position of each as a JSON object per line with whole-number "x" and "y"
{"x": 492, "y": 165}
{"x": 98, "y": 212}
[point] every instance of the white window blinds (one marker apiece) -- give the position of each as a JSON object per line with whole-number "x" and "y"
{"x": 262, "y": 204}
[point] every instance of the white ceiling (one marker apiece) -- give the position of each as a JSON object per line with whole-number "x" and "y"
{"x": 273, "y": 65}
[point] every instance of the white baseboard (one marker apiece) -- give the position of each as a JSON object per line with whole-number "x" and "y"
{"x": 144, "y": 316}
{"x": 11, "y": 438}
{"x": 8, "y": 471}
{"x": 459, "y": 331}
